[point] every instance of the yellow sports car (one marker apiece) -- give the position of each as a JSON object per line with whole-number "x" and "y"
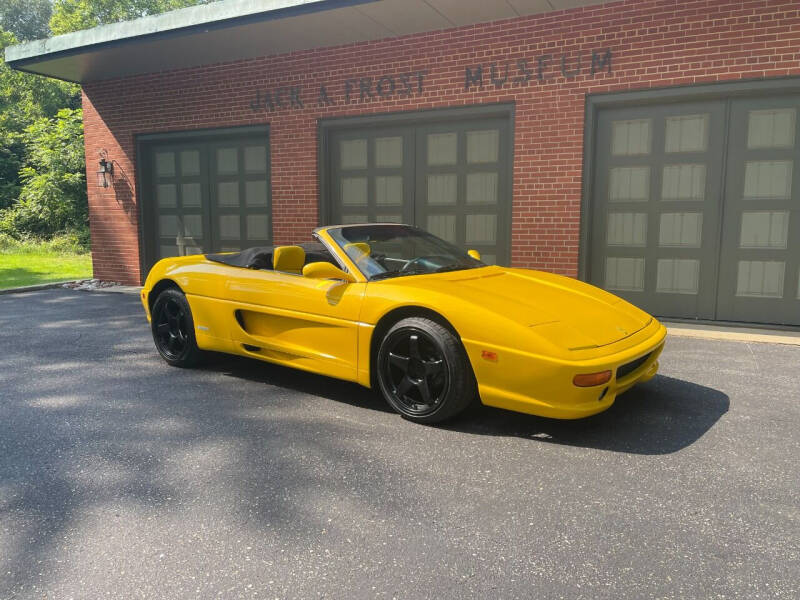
{"x": 394, "y": 307}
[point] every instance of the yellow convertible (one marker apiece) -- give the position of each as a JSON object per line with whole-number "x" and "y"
{"x": 393, "y": 307}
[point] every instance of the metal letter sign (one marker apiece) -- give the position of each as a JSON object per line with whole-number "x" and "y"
{"x": 522, "y": 71}
{"x": 361, "y": 89}
{"x": 547, "y": 67}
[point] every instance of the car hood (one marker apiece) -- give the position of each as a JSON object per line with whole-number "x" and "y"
{"x": 566, "y": 312}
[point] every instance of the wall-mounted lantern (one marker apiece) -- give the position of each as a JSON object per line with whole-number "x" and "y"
{"x": 106, "y": 172}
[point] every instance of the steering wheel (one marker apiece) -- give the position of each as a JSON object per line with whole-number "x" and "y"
{"x": 409, "y": 266}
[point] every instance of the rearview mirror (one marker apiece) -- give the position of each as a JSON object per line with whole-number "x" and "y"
{"x": 474, "y": 254}
{"x": 325, "y": 270}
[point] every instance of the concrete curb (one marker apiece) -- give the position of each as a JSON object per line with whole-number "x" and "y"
{"x": 734, "y": 334}
{"x": 118, "y": 289}
{"x": 35, "y": 288}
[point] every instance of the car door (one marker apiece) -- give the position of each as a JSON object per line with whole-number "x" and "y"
{"x": 309, "y": 324}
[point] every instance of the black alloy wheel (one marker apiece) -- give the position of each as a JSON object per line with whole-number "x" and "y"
{"x": 423, "y": 371}
{"x": 173, "y": 329}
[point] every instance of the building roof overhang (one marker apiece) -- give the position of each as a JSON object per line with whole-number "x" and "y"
{"x": 240, "y": 29}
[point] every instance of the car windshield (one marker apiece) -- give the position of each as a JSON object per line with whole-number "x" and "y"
{"x": 383, "y": 251}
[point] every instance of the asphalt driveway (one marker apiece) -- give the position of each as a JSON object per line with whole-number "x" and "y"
{"x": 123, "y": 477}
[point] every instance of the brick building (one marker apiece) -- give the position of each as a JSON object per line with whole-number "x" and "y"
{"x": 647, "y": 146}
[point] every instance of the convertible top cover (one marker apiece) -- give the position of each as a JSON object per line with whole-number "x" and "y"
{"x": 260, "y": 257}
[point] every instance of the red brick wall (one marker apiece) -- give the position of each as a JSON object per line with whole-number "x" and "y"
{"x": 655, "y": 43}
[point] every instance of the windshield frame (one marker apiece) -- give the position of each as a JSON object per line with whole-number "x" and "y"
{"x": 375, "y": 278}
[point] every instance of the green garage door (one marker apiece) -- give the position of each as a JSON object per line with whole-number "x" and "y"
{"x": 448, "y": 178}
{"x": 695, "y": 214}
{"x": 205, "y": 195}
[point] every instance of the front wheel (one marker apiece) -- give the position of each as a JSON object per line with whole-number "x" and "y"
{"x": 173, "y": 329}
{"x": 423, "y": 371}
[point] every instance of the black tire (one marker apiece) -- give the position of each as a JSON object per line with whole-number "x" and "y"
{"x": 423, "y": 371}
{"x": 173, "y": 329}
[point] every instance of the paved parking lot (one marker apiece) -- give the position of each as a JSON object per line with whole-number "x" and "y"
{"x": 123, "y": 477}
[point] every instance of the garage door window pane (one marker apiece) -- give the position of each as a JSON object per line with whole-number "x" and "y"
{"x": 354, "y": 154}
{"x": 255, "y": 159}
{"x": 166, "y": 195}
{"x": 442, "y": 189}
{"x": 630, "y": 138}
{"x": 764, "y": 229}
{"x": 229, "y": 227}
{"x": 191, "y": 194}
{"x": 687, "y": 133}
{"x": 627, "y": 229}
{"x": 168, "y": 250}
{"x": 481, "y": 229}
{"x": 677, "y": 276}
{"x": 228, "y": 193}
{"x": 482, "y": 188}
{"x": 168, "y": 225}
{"x": 389, "y": 152}
{"x": 629, "y": 184}
{"x": 354, "y": 191}
{"x": 683, "y": 182}
{"x": 772, "y": 128}
{"x": 760, "y": 278}
{"x": 227, "y": 161}
{"x": 483, "y": 146}
{"x": 768, "y": 179}
{"x": 390, "y": 218}
{"x": 190, "y": 162}
{"x": 389, "y": 190}
{"x": 443, "y": 226}
{"x": 680, "y": 230}
{"x": 255, "y": 193}
{"x": 442, "y": 148}
{"x": 193, "y": 226}
{"x": 257, "y": 227}
{"x": 350, "y": 219}
{"x": 165, "y": 164}
{"x": 625, "y": 274}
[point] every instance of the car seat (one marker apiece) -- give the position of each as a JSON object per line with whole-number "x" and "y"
{"x": 288, "y": 259}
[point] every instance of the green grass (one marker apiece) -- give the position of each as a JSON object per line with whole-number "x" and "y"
{"x": 31, "y": 262}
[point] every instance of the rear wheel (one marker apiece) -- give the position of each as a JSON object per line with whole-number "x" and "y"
{"x": 173, "y": 329}
{"x": 423, "y": 371}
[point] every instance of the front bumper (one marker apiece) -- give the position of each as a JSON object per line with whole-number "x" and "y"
{"x": 543, "y": 386}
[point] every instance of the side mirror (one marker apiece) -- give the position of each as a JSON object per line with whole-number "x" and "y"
{"x": 474, "y": 254}
{"x": 325, "y": 270}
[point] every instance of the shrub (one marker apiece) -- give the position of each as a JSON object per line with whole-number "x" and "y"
{"x": 52, "y": 197}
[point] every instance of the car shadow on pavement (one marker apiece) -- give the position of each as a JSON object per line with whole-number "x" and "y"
{"x": 659, "y": 417}
{"x": 337, "y": 390}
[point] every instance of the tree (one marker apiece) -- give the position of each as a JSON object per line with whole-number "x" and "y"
{"x": 42, "y": 187}
{"x": 26, "y": 19}
{"x": 52, "y": 198}
{"x": 24, "y": 98}
{"x": 73, "y": 15}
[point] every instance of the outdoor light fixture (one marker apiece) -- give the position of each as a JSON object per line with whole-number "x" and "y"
{"x": 106, "y": 172}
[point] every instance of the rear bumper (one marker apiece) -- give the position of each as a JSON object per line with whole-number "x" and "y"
{"x": 542, "y": 386}
{"x": 143, "y": 297}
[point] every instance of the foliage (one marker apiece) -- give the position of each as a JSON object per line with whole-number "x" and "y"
{"x": 26, "y": 19}
{"x": 24, "y": 99}
{"x": 52, "y": 197}
{"x": 72, "y": 15}
{"x": 42, "y": 182}
{"x": 64, "y": 243}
